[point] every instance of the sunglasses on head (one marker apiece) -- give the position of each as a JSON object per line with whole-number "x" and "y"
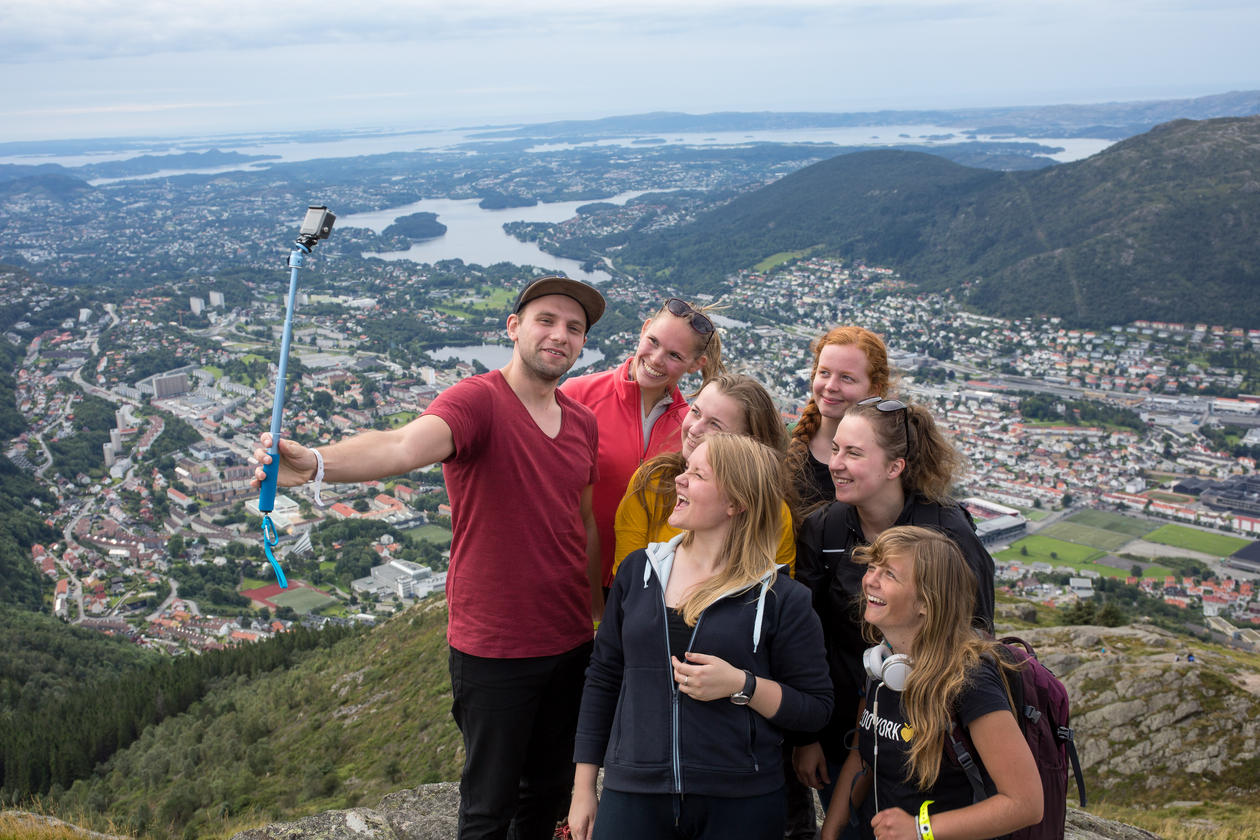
{"x": 882, "y": 404}
{"x": 698, "y": 320}
{"x": 889, "y": 406}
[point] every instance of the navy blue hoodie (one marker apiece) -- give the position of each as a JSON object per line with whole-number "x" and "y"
{"x": 650, "y": 737}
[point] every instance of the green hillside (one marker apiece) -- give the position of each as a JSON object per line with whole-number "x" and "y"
{"x": 1161, "y": 226}
{"x": 341, "y": 726}
{"x": 41, "y": 658}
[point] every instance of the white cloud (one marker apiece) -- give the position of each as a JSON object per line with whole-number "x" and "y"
{"x": 36, "y": 30}
{"x": 69, "y": 65}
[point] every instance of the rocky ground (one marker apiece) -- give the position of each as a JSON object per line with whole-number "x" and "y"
{"x": 1150, "y": 725}
{"x": 428, "y": 813}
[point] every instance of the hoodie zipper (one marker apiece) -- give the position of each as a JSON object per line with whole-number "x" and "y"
{"x": 675, "y": 728}
{"x": 675, "y": 693}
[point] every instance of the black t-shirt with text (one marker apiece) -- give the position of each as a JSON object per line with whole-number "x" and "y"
{"x": 984, "y": 693}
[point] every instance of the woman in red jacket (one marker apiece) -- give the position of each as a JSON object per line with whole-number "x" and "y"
{"x": 638, "y": 406}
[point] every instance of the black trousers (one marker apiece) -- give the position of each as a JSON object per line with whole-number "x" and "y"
{"x": 664, "y": 816}
{"x": 518, "y": 718}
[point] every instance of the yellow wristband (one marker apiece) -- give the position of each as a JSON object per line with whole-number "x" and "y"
{"x": 925, "y": 826}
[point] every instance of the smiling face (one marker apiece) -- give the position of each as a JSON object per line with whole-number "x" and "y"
{"x": 711, "y": 411}
{"x": 669, "y": 348}
{"x": 841, "y": 380}
{"x": 549, "y": 333}
{"x": 891, "y": 601}
{"x": 860, "y": 469}
{"x": 701, "y": 505}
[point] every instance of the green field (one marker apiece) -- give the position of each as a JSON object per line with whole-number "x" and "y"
{"x": 778, "y": 259}
{"x": 435, "y": 534}
{"x": 402, "y": 418}
{"x": 1039, "y": 549}
{"x": 302, "y": 600}
{"x": 1082, "y": 534}
{"x": 494, "y": 300}
{"x": 1069, "y": 554}
{"x": 1034, "y": 514}
{"x": 1172, "y": 498}
{"x": 1109, "y": 521}
{"x": 1206, "y": 542}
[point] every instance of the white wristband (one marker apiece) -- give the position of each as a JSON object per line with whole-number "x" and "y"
{"x": 319, "y": 476}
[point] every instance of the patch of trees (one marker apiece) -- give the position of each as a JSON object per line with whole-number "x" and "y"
{"x": 416, "y": 226}
{"x": 176, "y": 436}
{"x": 81, "y": 452}
{"x": 215, "y": 585}
{"x": 49, "y": 317}
{"x": 348, "y": 543}
{"x": 24, "y": 504}
{"x": 1229, "y": 439}
{"x": 1088, "y": 612}
{"x": 934, "y": 374}
{"x": 12, "y": 423}
{"x": 1116, "y": 602}
{"x": 253, "y": 372}
{"x": 42, "y": 658}
{"x": 1078, "y": 412}
{"x": 76, "y": 729}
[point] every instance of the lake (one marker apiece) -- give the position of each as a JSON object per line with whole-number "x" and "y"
{"x": 475, "y": 235}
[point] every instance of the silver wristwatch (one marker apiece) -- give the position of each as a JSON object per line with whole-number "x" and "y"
{"x": 741, "y": 697}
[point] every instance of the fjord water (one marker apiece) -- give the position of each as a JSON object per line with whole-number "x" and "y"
{"x": 475, "y": 235}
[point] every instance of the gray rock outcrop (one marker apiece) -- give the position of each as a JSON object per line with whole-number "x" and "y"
{"x": 1145, "y": 717}
{"x": 428, "y": 813}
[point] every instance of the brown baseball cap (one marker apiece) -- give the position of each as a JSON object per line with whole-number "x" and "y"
{"x": 588, "y": 297}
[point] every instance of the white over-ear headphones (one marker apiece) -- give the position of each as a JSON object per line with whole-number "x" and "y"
{"x": 892, "y": 669}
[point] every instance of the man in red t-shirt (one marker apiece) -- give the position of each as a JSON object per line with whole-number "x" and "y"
{"x": 524, "y": 579}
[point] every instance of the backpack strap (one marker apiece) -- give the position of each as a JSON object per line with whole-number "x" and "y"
{"x": 1068, "y": 736}
{"x": 978, "y": 793}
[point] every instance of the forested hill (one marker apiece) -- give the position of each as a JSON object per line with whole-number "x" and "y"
{"x": 1163, "y": 226}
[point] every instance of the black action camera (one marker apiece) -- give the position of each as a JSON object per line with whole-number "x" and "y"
{"x": 317, "y": 224}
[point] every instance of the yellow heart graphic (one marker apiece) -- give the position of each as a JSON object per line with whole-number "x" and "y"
{"x": 907, "y": 732}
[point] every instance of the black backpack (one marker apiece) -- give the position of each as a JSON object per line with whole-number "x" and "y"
{"x": 1041, "y": 707}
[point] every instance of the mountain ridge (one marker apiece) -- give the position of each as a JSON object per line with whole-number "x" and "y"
{"x": 1113, "y": 120}
{"x": 1161, "y": 226}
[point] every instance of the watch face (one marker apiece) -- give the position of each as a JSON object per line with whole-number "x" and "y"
{"x": 740, "y": 699}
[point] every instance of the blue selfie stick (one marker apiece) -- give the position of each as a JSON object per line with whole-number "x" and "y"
{"x": 316, "y": 226}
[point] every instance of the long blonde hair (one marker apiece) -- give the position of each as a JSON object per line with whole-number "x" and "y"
{"x": 946, "y": 649}
{"x": 748, "y": 474}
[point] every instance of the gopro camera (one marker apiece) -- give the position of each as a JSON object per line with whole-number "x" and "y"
{"x": 317, "y": 224}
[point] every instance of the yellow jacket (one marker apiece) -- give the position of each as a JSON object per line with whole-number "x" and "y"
{"x": 631, "y": 527}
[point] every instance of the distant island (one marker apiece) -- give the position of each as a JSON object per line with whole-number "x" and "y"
{"x": 502, "y": 201}
{"x": 148, "y": 164}
{"x": 416, "y": 226}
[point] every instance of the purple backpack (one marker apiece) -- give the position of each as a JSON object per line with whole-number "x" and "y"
{"x": 1041, "y": 707}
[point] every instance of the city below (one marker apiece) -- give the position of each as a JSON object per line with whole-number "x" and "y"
{"x": 165, "y": 547}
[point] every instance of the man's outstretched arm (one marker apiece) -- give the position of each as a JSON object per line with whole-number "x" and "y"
{"x": 364, "y": 457}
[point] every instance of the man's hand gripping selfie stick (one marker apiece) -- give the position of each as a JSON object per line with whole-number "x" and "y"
{"x": 316, "y": 226}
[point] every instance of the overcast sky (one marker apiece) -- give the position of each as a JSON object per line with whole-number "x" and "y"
{"x": 99, "y": 68}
